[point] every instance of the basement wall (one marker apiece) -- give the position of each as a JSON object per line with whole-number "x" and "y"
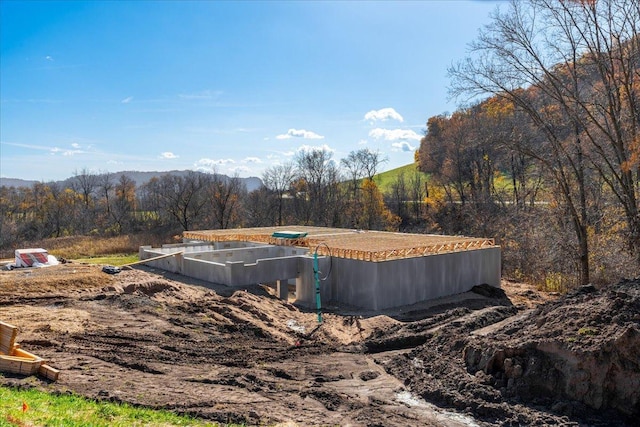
{"x": 365, "y": 284}
{"x": 242, "y": 265}
{"x": 387, "y": 284}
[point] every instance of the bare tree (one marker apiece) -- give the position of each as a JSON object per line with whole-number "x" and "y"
{"x": 225, "y": 196}
{"x": 182, "y": 198}
{"x": 59, "y": 208}
{"x": 398, "y": 199}
{"x": 417, "y": 191}
{"x": 105, "y": 190}
{"x": 318, "y": 176}
{"x": 124, "y": 204}
{"x": 278, "y": 179}
{"x": 359, "y": 164}
{"x": 568, "y": 62}
{"x": 255, "y": 213}
{"x": 85, "y": 184}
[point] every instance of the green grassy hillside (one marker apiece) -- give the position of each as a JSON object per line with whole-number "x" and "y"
{"x": 385, "y": 179}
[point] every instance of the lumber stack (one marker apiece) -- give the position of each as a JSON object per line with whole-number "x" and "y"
{"x": 15, "y": 360}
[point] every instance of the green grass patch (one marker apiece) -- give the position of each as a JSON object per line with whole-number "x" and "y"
{"x": 117, "y": 259}
{"x": 68, "y": 410}
{"x": 384, "y": 180}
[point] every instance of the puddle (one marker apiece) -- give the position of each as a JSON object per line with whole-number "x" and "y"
{"x": 446, "y": 417}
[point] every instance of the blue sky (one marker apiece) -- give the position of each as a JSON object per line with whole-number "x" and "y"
{"x": 234, "y": 87}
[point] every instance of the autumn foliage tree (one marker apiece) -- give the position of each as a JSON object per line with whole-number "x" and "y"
{"x": 572, "y": 69}
{"x": 375, "y": 215}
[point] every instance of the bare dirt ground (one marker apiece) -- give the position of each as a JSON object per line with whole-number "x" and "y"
{"x": 481, "y": 358}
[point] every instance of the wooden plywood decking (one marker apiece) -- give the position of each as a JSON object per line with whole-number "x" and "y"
{"x": 352, "y": 244}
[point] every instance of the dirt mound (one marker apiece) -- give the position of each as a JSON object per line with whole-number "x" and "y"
{"x": 584, "y": 348}
{"x": 577, "y": 359}
{"x": 49, "y": 282}
{"x": 489, "y": 291}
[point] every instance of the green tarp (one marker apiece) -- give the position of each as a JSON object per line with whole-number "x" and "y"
{"x": 289, "y": 234}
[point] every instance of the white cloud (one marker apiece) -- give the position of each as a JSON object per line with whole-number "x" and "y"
{"x": 70, "y": 153}
{"x": 300, "y": 133}
{"x": 127, "y": 100}
{"x": 383, "y": 115}
{"x": 65, "y": 152}
{"x": 403, "y": 146}
{"x": 168, "y": 155}
{"x": 394, "y": 135}
{"x": 252, "y": 160}
{"x": 48, "y": 58}
{"x": 212, "y": 164}
{"x": 363, "y": 142}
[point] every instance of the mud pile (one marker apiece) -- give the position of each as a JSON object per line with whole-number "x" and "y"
{"x": 584, "y": 348}
{"x": 577, "y": 358}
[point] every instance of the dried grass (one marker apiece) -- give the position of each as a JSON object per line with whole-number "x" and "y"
{"x": 74, "y": 247}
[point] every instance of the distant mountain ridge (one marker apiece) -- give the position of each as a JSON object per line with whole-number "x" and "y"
{"x": 140, "y": 178}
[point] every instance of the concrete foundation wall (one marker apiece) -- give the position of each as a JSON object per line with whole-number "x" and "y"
{"x": 231, "y": 267}
{"x": 369, "y": 285}
{"x": 380, "y": 285}
{"x": 172, "y": 264}
{"x": 306, "y": 284}
{"x": 246, "y": 255}
{"x": 240, "y": 274}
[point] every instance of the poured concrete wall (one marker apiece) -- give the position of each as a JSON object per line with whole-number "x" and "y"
{"x": 238, "y": 273}
{"x": 386, "y": 284}
{"x": 365, "y": 284}
{"x": 246, "y": 255}
{"x": 306, "y": 283}
{"x": 239, "y": 266}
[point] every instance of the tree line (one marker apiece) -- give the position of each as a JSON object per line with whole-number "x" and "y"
{"x": 311, "y": 190}
{"x": 562, "y": 121}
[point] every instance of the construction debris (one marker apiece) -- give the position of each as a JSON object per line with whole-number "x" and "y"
{"x": 34, "y": 257}
{"x": 15, "y": 360}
